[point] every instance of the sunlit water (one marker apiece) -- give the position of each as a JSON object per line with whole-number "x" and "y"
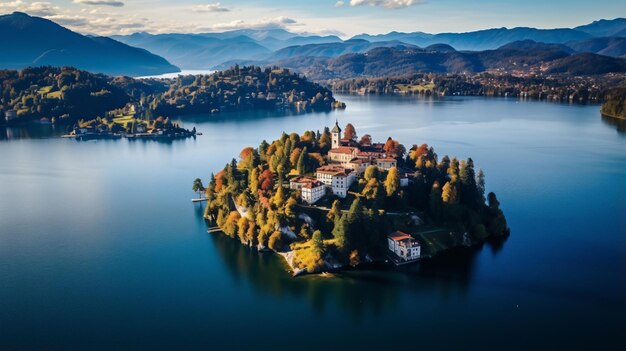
{"x": 101, "y": 248}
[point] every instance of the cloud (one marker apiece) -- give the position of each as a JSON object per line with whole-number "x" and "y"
{"x": 215, "y": 7}
{"x": 34, "y": 8}
{"x": 339, "y": 4}
{"x": 390, "y": 4}
{"x": 113, "y": 3}
{"x": 265, "y": 23}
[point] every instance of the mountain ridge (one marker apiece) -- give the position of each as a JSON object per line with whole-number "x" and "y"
{"x": 38, "y": 41}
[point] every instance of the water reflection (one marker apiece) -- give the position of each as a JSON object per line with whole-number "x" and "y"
{"x": 619, "y": 124}
{"x": 371, "y": 289}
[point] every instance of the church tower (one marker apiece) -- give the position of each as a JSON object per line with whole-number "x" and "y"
{"x": 336, "y": 135}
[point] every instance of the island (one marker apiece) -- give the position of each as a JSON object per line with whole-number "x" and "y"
{"x": 66, "y": 95}
{"x": 327, "y": 200}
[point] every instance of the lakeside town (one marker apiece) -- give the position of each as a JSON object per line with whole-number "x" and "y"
{"x": 325, "y": 201}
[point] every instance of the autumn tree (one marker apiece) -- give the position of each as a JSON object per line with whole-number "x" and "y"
{"x": 366, "y": 140}
{"x": 350, "y": 133}
{"x": 275, "y": 241}
{"x": 266, "y": 180}
{"x": 392, "y": 183}
{"x": 335, "y": 212}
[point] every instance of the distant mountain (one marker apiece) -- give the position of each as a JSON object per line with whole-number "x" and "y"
{"x": 334, "y": 49}
{"x": 605, "y": 28}
{"x": 485, "y": 39}
{"x": 516, "y": 56}
{"x": 220, "y": 49}
{"x": 197, "y": 51}
{"x": 587, "y": 64}
{"x": 609, "y": 46}
{"x": 34, "y": 41}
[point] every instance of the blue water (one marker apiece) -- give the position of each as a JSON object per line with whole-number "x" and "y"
{"x": 101, "y": 248}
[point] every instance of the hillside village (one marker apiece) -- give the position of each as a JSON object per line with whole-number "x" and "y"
{"x": 325, "y": 200}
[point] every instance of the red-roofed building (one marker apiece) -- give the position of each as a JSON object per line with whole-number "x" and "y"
{"x": 404, "y": 245}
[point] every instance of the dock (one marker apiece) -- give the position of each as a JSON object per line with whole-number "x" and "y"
{"x": 198, "y": 200}
{"x": 214, "y": 229}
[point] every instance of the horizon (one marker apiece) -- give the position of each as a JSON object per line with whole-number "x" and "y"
{"x": 344, "y": 19}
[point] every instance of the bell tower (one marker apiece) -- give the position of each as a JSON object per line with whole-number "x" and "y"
{"x": 336, "y": 135}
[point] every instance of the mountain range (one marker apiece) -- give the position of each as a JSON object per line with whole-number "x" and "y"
{"x": 35, "y": 41}
{"x": 220, "y": 50}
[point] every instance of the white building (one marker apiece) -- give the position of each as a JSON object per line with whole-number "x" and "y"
{"x": 311, "y": 190}
{"x": 337, "y": 178}
{"x": 404, "y": 245}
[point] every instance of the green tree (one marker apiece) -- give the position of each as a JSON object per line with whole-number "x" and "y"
{"x": 317, "y": 243}
{"x": 339, "y": 232}
{"x": 198, "y": 187}
{"x": 303, "y": 162}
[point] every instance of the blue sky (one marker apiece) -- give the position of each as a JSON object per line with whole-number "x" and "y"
{"x": 344, "y": 18}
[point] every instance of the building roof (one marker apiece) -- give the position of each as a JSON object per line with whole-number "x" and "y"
{"x": 343, "y": 150}
{"x": 399, "y": 236}
{"x": 358, "y": 161}
{"x": 336, "y": 129}
{"x": 313, "y": 184}
{"x": 334, "y": 170}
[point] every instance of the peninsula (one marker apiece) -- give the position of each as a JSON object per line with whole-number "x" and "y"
{"x": 326, "y": 200}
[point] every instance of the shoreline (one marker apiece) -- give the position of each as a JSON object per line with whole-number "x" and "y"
{"x": 289, "y": 256}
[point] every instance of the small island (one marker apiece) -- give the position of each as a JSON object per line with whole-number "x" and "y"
{"x": 324, "y": 201}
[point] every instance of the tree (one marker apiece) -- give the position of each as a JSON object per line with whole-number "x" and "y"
{"x": 303, "y": 162}
{"x": 392, "y": 148}
{"x": 295, "y": 156}
{"x": 469, "y": 189}
{"x": 279, "y": 197}
{"x": 449, "y": 193}
{"x": 350, "y": 133}
{"x": 366, "y": 140}
{"x": 290, "y": 208}
{"x": 371, "y": 172}
{"x": 372, "y": 190}
{"x": 339, "y": 232}
{"x": 392, "y": 183}
{"x": 435, "y": 202}
{"x": 266, "y": 180}
{"x": 335, "y": 212}
{"x": 317, "y": 243}
{"x": 275, "y": 241}
{"x": 480, "y": 185}
{"x": 198, "y": 187}
{"x": 253, "y": 182}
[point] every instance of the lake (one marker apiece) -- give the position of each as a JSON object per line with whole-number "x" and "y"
{"x": 101, "y": 247}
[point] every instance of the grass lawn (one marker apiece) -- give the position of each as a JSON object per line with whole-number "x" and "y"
{"x": 438, "y": 239}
